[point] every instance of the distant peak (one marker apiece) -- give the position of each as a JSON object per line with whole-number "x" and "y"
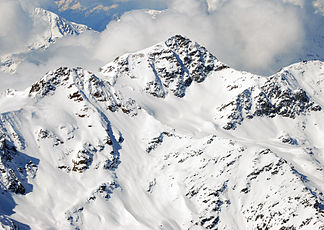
{"x": 181, "y": 43}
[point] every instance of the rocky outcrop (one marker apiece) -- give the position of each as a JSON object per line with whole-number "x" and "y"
{"x": 83, "y": 159}
{"x": 273, "y": 98}
{"x": 15, "y": 168}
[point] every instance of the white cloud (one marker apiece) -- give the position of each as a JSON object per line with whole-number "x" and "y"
{"x": 70, "y": 52}
{"x": 15, "y": 26}
{"x": 254, "y": 35}
{"x": 247, "y": 34}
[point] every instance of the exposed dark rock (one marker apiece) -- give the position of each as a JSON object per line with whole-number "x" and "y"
{"x": 83, "y": 159}
{"x": 15, "y": 168}
{"x": 157, "y": 141}
{"x": 273, "y": 99}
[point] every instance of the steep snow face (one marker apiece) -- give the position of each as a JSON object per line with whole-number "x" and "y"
{"x": 165, "y": 138}
{"x": 57, "y": 27}
{"x": 50, "y": 27}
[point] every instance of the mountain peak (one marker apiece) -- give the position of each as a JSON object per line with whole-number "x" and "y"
{"x": 172, "y": 66}
{"x": 178, "y": 40}
{"x": 58, "y": 26}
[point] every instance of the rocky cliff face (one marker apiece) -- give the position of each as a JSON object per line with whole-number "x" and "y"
{"x": 165, "y": 138}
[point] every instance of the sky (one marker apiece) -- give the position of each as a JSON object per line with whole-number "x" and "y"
{"x": 259, "y": 36}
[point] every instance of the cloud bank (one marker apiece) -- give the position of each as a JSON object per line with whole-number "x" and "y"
{"x": 259, "y": 36}
{"x": 252, "y": 35}
{"x": 15, "y": 26}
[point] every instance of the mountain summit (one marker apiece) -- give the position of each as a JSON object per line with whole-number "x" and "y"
{"x": 165, "y": 138}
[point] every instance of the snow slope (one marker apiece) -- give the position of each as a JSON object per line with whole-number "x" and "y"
{"x": 165, "y": 138}
{"x": 50, "y": 27}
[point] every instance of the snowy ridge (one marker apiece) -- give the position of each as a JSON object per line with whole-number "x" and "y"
{"x": 279, "y": 95}
{"x": 146, "y": 144}
{"x": 51, "y": 27}
{"x": 58, "y": 27}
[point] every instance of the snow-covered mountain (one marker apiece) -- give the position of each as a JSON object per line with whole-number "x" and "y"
{"x": 165, "y": 138}
{"x": 49, "y": 28}
{"x": 57, "y": 27}
{"x": 98, "y": 14}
